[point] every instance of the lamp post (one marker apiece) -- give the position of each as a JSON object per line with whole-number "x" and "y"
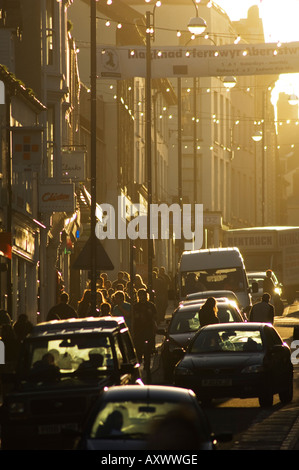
{"x": 196, "y": 26}
{"x": 93, "y": 143}
{"x": 148, "y": 140}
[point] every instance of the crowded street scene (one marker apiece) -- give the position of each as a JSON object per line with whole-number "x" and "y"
{"x": 149, "y": 228}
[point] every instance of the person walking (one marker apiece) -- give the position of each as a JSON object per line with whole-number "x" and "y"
{"x": 144, "y": 323}
{"x": 122, "y": 308}
{"x": 62, "y": 310}
{"x": 84, "y": 305}
{"x": 268, "y": 284}
{"x": 262, "y": 311}
{"x": 208, "y": 312}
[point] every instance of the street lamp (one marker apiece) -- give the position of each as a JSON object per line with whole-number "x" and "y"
{"x": 229, "y": 81}
{"x": 293, "y": 100}
{"x": 257, "y": 136}
{"x": 196, "y": 24}
{"x": 148, "y": 139}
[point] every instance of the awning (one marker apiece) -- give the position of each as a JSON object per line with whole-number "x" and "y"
{"x": 103, "y": 262}
{"x": 5, "y": 244}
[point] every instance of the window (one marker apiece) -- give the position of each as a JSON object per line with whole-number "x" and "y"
{"x": 50, "y": 141}
{"x": 50, "y": 32}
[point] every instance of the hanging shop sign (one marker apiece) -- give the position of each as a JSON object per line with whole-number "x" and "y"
{"x": 27, "y": 147}
{"x": 57, "y": 198}
{"x": 198, "y": 61}
{"x": 73, "y": 165}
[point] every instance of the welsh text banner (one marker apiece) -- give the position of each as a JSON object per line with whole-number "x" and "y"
{"x": 198, "y": 61}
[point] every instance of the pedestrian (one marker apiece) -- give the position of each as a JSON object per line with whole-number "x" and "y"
{"x": 120, "y": 280}
{"x": 138, "y": 282}
{"x": 84, "y": 305}
{"x": 22, "y": 327}
{"x": 105, "y": 310}
{"x": 208, "y": 312}
{"x": 144, "y": 323}
{"x": 122, "y": 308}
{"x": 159, "y": 292}
{"x": 4, "y": 318}
{"x": 62, "y": 310}
{"x": 268, "y": 284}
{"x": 262, "y": 311}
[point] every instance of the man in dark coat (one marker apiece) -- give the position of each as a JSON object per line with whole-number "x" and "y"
{"x": 262, "y": 311}
{"x": 62, "y": 310}
{"x": 144, "y": 323}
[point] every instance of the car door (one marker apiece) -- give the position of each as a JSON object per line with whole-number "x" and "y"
{"x": 277, "y": 358}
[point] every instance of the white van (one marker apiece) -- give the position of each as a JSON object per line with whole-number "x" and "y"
{"x": 212, "y": 270}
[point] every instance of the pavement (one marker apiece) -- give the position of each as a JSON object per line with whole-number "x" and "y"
{"x": 271, "y": 430}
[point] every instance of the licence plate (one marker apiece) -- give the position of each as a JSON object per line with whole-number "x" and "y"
{"x": 47, "y": 429}
{"x": 216, "y": 382}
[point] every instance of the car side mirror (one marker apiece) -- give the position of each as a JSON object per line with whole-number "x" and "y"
{"x": 178, "y": 354}
{"x": 161, "y": 331}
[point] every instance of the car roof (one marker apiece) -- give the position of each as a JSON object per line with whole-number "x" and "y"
{"x": 249, "y": 326}
{"x": 78, "y": 325}
{"x": 211, "y": 293}
{"x": 190, "y": 304}
{"x": 146, "y": 392}
{"x": 256, "y": 273}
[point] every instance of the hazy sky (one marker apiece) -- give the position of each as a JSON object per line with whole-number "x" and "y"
{"x": 280, "y": 18}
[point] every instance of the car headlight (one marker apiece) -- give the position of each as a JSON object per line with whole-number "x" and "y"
{"x": 253, "y": 369}
{"x": 16, "y": 408}
{"x": 183, "y": 371}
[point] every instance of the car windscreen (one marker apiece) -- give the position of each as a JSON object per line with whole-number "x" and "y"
{"x": 212, "y": 280}
{"x": 227, "y": 340}
{"x": 64, "y": 355}
{"x": 136, "y": 419}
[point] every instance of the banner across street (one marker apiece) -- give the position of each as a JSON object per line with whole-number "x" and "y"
{"x": 121, "y": 62}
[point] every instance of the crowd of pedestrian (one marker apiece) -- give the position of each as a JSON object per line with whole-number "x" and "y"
{"x": 126, "y": 297}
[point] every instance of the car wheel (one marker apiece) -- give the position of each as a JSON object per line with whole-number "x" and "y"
{"x": 286, "y": 395}
{"x": 266, "y": 400}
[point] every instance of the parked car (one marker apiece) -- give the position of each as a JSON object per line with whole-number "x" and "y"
{"x": 183, "y": 326}
{"x": 237, "y": 360}
{"x": 129, "y": 418}
{"x": 258, "y": 278}
{"x": 47, "y": 397}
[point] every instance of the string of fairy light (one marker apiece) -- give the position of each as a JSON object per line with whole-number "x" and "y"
{"x": 165, "y": 112}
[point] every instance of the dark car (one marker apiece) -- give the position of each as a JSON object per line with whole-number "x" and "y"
{"x": 230, "y": 295}
{"x": 62, "y": 368}
{"x": 183, "y": 326}
{"x": 237, "y": 360}
{"x": 131, "y": 418}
